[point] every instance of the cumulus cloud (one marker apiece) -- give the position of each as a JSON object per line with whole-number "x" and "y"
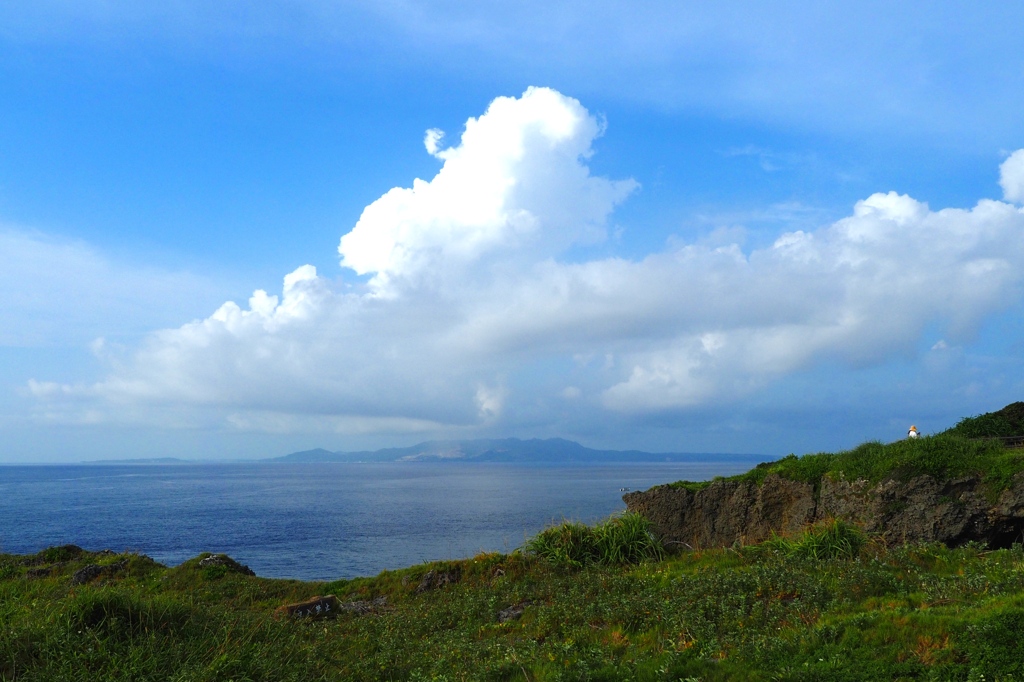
{"x": 1011, "y": 177}
{"x": 468, "y": 312}
{"x": 516, "y": 183}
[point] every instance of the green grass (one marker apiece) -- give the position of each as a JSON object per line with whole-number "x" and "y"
{"x": 831, "y": 539}
{"x": 963, "y": 450}
{"x": 622, "y": 539}
{"x": 1005, "y": 423}
{"x": 826, "y": 604}
{"x": 944, "y": 455}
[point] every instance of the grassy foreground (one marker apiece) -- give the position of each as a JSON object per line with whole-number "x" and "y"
{"x": 827, "y": 605}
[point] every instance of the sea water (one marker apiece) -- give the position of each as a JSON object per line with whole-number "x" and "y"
{"x": 315, "y": 521}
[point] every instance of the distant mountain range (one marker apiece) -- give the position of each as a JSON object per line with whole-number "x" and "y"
{"x": 549, "y": 450}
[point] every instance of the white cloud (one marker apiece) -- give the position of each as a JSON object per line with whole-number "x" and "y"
{"x": 432, "y": 140}
{"x": 516, "y": 182}
{"x": 465, "y": 285}
{"x": 1011, "y": 177}
{"x": 490, "y": 400}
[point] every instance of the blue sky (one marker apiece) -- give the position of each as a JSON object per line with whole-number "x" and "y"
{"x": 701, "y": 228}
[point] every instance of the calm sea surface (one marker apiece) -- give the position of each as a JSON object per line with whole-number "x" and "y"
{"x": 314, "y": 521}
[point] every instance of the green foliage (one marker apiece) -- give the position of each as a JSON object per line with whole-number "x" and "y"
{"x": 994, "y": 644}
{"x": 123, "y": 614}
{"x": 1005, "y": 423}
{"x": 213, "y": 572}
{"x": 626, "y": 539}
{"x": 823, "y": 608}
{"x": 959, "y": 451}
{"x": 832, "y": 539}
{"x": 622, "y": 539}
{"x": 568, "y": 544}
{"x": 694, "y": 486}
{"x": 941, "y": 456}
{"x": 61, "y": 553}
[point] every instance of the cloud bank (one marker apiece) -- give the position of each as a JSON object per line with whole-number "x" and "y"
{"x": 462, "y": 307}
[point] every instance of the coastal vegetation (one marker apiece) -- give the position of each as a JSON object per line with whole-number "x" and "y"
{"x": 974, "y": 447}
{"x": 827, "y": 604}
{"x": 576, "y": 602}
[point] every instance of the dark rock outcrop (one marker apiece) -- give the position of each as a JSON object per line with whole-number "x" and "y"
{"x": 227, "y": 562}
{"x": 90, "y": 572}
{"x": 513, "y": 612}
{"x": 921, "y": 509}
{"x": 315, "y": 607}
{"x": 439, "y": 578}
{"x": 329, "y": 607}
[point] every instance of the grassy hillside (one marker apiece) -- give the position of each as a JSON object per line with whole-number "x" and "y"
{"x": 971, "y": 448}
{"x": 1006, "y": 423}
{"x": 815, "y": 607}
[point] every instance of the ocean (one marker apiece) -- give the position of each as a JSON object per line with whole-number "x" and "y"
{"x": 320, "y": 521}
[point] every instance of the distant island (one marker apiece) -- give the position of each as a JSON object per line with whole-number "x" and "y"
{"x": 510, "y": 450}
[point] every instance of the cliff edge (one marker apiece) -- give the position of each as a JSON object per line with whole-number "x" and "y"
{"x": 947, "y": 488}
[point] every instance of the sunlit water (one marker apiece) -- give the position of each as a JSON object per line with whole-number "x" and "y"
{"x": 315, "y": 521}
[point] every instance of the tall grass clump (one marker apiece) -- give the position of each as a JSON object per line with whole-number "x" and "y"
{"x": 832, "y": 539}
{"x": 622, "y": 539}
{"x": 570, "y": 543}
{"x": 627, "y": 539}
{"x": 122, "y": 613}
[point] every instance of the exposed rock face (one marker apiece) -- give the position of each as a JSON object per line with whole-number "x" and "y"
{"x": 316, "y": 607}
{"x": 437, "y": 579}
{"x": 227, "y": 562}
{"x": 920, "y": 509}
{"x": 329, "y": 607}
{"x": 92, "y": 571}
{"x": 513, "y": 612}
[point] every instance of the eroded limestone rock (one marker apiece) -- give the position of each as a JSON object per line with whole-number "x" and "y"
{"x": 920, "y": 509}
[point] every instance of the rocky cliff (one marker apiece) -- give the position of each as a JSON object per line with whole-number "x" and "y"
{"x": 921, "y": 508}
